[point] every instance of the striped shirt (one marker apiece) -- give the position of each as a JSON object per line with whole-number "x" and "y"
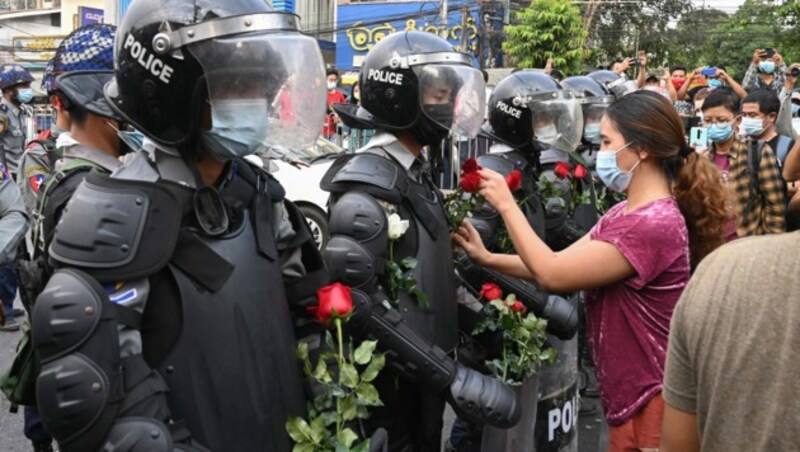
{"x": 758, "y": 211}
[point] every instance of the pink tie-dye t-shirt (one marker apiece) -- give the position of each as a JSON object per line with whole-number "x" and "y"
{"x": 628, "y": 322}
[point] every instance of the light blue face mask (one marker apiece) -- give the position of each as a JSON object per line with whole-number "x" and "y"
{"x": 25, "y": 95}
{"x": 591, "y": 132}
{"x": 133, "y": 139}
{"x": 753, "y": 127}
{"x": 720, "y": 133}
{"x": 610, "y": 173}
{"x": 239, "y": 128}
{"x": 715, "y": 83}
{"x": 767, "y": 66}
{"x": 795, "y": 109}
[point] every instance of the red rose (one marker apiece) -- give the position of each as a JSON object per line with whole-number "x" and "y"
{"x": 470, "y": 166}
{"x": 519, "y": 307}
{"x": 491, "y": 292}
{"x": 580, "y": 172}
{"x": 514, "y": 180}
{"x": 469, "y": 182}
{"x": 562, "y": 170}
{"x": 334, "y": 302}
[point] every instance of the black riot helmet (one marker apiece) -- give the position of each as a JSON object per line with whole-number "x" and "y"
{"x": 173, "y": 56}
{"x": 416, "y": 81}
{"x": 529, "y": 109}
{"x": 594, "y": 99}
{"x": 615, "y": 84}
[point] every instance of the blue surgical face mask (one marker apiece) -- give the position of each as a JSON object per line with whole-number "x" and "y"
{"x": 715, "y": 83}
{"x": 591, "y": 132}
{"x": 610, "y": 173}
{"x": 767, "y": 66}
{"x": 25, "y": 95}
{"x": 133, "y": 139}
{"x": 720, "y": 133}
{"x": 239, "y": 128}
{"x": 795, "y": 109}
{"x": 752, "y": 127}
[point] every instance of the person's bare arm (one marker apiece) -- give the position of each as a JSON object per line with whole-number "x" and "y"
{"x": 679, "y": 432}
{"x": 791, "y": 167}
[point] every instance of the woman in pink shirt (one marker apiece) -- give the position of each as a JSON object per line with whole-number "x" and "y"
{"x": 634, "y": 263}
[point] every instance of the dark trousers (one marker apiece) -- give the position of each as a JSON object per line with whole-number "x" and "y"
{"x": 34, "y": 429}
{"x": 8, "y": 289}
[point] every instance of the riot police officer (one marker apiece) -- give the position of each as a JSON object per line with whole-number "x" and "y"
{"x": 617, "y": 85}
{"x": 15, "y": 82}
{"x": 168, "y": 324}
{"x": 415, "y": 89}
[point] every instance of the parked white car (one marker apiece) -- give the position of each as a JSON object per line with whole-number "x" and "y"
{"x": 301, "y": 180}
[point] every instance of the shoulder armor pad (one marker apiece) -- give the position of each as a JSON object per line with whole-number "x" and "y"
{"x": 496, "y": 163}
{"x": 117, "y": 229}
{"x": 369, "y": 173}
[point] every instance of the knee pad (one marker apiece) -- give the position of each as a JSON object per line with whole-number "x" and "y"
{"x": 75, "y": 333}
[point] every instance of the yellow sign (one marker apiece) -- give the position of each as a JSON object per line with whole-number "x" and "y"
{"x": 36, "y": 48}
{"x": 362, "y": 38}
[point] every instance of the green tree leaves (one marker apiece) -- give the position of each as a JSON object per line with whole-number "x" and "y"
{"x": 547, "y": 29}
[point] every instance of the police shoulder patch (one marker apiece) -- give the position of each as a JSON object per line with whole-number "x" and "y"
{"x": 4, "y": 123}
{"x": 4, "y": 175}
{"x": 3, "y": 107}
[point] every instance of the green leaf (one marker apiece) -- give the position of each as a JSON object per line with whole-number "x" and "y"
{"x": 318, "y": 430}
{"x": 363, "y": 353}
{"x": 368, "y": 395}
{"x": 347, "y": 437}
{"x": 409, "y": 263}
{"x": 304, "y": 447}
{"x": 348, "y": 407}
{"x": 348, "y": 375}
{"x": 374, "y": 368}
{"x": 362, "y": 447}
{"x": 302, "y": 351}
{"x": 298, "y": 430}
{"x": 321, "y": 371}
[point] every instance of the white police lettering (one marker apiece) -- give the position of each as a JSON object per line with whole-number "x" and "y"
{"x": 509, "y": 110}
{"x": 147, "y": 60}
{"x": 561, "y": 418}
{"x": 385, "y": 77}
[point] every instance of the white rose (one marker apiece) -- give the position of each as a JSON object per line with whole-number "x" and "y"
{"x": 397, "y": 226}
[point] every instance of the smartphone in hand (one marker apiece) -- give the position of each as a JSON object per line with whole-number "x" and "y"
{"x": 698, "y": 137}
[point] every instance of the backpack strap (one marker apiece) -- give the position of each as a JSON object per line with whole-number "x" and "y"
{"x": 782, "y": 148}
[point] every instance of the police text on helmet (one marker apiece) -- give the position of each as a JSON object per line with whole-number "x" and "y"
{"x": 385, "y": 77}
{"x": 509, "y": 110}
{"x": 149, "y": 61}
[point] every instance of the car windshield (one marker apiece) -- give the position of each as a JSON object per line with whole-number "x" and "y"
{"x": 321, "y": 148}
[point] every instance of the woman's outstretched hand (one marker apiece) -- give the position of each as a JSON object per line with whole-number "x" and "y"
{"x": 467, "y": 237}
{"x": 494, "y": 189}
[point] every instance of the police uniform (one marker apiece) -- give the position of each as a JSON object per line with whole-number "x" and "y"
{"x": 12, "y": 135}
{"x": 185, "y": 294}
{"x": 386, "y": 178}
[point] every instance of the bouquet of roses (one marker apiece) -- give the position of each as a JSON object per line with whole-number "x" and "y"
{"x": 549, "y": 188}
{"x": 348, "y": 391}
{"x": 464, "y": 200}
{"x": 524, "y": 338}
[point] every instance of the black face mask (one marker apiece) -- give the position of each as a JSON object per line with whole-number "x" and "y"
{"x": 428, "y": 130}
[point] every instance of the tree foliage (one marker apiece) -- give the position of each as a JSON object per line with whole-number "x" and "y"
{"x": 620, "y": 29}
{"x": 547, "y": 29}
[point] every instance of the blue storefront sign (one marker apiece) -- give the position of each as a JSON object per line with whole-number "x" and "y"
{"x": 88, "y": 16}
{"x": 362, "y": 25}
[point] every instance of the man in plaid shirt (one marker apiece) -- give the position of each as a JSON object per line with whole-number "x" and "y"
{"x": 767, "y": 71}
{"x": 760, "y": 197}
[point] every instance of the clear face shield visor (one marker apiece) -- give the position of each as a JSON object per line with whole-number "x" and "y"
{"x": 453, "y": 96}
{"x": 558, "y": 124}
{"x": 265, "y": 80}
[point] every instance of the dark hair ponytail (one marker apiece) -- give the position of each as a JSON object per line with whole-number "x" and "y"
{"x": 651, "y": 121}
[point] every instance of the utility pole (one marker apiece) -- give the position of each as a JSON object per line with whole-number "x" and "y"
{"x": 464, "y": 25}
{"x": 443, "y": 19}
